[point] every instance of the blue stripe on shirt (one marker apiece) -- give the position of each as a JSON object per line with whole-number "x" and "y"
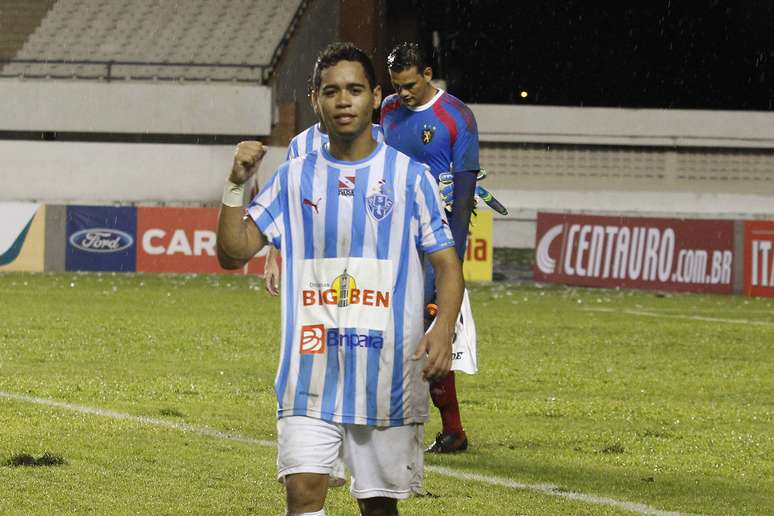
{"x": 307, "y": 210}
{"x": 267, "y": 224}
{"x": 350, "y": 376}
{"x": 306, "y": 361}
{"x": 330, "y": 388}
{"x": 399, "y": 300}
{"x": 359, "y": 212}
{"x": 310, "y": 139}
{"x": 289, "y": 300}
{"x": 331, "y": 212}
{"x": 372, "y": 379}
{"x": 383, "y": 230}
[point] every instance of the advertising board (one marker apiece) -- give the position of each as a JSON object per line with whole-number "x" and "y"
{"x": 635, "y": 252}
{"x": 22, "y": 236}
{"x": 182, "y": 240}
{"x": 100, "y": 238}
{"x": 759, "y": 258}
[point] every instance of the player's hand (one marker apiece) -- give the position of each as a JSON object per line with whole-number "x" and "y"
{"x": 271, "y": 272}
{"x": 437, "y": 344}
{"x": 247, "y": 158}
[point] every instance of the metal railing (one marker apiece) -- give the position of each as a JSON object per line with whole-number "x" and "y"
{"x": 262, "y": 71}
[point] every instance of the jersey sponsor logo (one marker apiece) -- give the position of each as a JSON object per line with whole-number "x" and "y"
{"x": 380, "y": 203}
{"x": 101, "y": 240}
{"x": 316, "y": 337}
{"x": 343, "y": 291}
{"x": 428, "y": 131}
{"x": 307, "y": 202}
{"x": 337, "y": 338}
{"x": 347, "y": 186}
{"x": 312, "y": 339}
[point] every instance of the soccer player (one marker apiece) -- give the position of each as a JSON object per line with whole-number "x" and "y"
{"x": 435, "y": 128}
{"x": 354, "y": 358}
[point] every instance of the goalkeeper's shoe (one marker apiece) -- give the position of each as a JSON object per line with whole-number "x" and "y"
{"x": 448, "y": 443}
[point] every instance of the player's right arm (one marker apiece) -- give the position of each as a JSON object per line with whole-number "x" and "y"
{"x": 238, "y": 237}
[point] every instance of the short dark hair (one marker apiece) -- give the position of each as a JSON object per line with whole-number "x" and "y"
{"x": 342, "y": 51}
{"x": 405, "y": 55}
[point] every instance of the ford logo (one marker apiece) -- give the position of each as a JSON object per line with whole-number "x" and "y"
{"x": 101, "y": 240}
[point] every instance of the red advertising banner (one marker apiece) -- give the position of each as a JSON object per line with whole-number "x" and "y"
{"x": 759, "y": 258}
{"x": 629, "y": 252}
{"x": 181, "y": 240}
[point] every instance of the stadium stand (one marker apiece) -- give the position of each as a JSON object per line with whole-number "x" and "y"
{"x": 147, "y": 39}
{"x": 19, "y": 19}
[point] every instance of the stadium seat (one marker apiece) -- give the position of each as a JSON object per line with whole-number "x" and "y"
{"x": 203, "y": 31}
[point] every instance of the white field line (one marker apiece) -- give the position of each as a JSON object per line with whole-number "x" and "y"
{"x": 152, "y": 421}
{"x": 546, "y": 489}
{"x": 645, "y": 313}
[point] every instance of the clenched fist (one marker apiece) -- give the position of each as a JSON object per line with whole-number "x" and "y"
{"x": 247, "y": 157}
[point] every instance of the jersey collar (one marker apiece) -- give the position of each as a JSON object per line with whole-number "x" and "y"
{"x": 429, "y": 103}
{"x": 327, "y": 156}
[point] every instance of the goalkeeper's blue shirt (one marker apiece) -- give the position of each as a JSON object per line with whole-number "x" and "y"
{"x": 351, "y": 234}
{"x": 312, "y": 138}
{"x": 442, "y": 133}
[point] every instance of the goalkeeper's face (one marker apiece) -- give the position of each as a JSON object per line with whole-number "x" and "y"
{"x": 413, "y": 88}
{"x": 345, "y": 100}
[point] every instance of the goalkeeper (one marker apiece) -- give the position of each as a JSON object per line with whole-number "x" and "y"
{"x": 439, "y": 130}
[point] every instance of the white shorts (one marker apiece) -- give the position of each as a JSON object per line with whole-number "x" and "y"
{"x": 384, "y": 461}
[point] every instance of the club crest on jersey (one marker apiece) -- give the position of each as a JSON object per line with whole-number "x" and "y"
{"x": 428, "y": 131}
{"x": 379, "y": 205}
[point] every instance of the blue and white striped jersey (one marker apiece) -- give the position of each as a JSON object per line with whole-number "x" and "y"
{"x": 352, "y": 236}
{"x": 311, "y": 139}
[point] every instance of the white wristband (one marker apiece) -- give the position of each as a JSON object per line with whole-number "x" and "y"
{"x": 234, "y": 194}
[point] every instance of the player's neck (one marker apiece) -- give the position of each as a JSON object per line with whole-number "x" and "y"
{"x": 352, "y": 150}
{"x": 432, "y": 91}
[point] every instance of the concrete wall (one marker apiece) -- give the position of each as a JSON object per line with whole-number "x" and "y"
{"x": 118, "y": 173}
{"x": 134, "y": 107}
{"x": 615, "y": 126}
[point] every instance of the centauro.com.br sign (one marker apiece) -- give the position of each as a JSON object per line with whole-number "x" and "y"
{"x": 635, "y": 252}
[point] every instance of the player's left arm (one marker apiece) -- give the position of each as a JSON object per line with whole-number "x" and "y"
{"x": 462, "y": 208}
{"x": 466, "y": 167}
{"x": 437, "y": 342}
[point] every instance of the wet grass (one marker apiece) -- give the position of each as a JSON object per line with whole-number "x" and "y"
{"x": 670, "y": 412}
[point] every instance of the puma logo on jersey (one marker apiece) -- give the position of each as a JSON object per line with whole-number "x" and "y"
{"x": 307, "y": 202}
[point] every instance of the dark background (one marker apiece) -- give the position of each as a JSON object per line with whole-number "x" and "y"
{"x": 705, "y": 54}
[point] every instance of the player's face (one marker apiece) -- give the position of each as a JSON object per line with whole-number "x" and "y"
{"x": 413, "y": 88}
{"x": 345, "y": 102}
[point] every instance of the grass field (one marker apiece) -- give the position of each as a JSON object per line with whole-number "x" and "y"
{"x": 661, "y": 400}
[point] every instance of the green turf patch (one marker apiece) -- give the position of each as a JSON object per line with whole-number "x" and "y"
{"x": 683, "y": 407}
